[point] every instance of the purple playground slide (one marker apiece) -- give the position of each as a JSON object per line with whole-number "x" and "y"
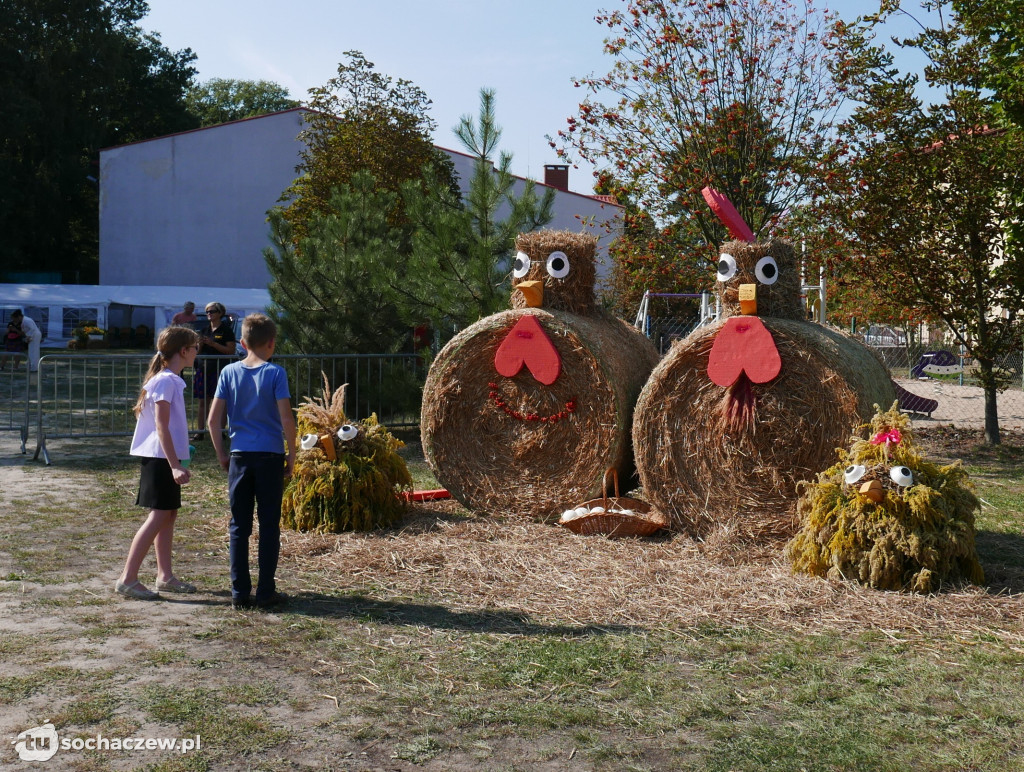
{"x": 913, "y": 403}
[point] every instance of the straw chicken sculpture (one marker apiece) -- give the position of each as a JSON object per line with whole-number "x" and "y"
{"x": 525, "y": 410}
{"x": 888, "y": 518}
{"x": 348, "y": 475}
{"x": 740, "y": 411}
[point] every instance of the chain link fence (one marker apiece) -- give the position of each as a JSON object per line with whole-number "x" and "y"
{"x": 955, "y": 390}
{"x": 955, "y": 386}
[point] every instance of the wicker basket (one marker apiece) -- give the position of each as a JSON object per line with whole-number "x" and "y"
{"x": 641, "y": 520}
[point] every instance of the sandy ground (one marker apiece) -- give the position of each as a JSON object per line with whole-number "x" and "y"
{"x": 85, "y": 628}
{"x": 965, "y": 405}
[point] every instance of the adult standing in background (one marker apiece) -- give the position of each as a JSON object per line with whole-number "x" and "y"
{"x": 217, "y": 341}
{"x": 14, "y": 340}
{"x": 186, "y": 315}
{"x": 33, "y": 337}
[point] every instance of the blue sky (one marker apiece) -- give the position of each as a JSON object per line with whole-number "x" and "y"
{"x": 528, "y": 51}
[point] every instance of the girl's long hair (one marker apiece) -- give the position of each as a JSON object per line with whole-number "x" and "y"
{"x": 171, "y": 341}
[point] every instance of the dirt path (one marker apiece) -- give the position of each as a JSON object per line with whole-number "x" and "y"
{"x": 88, "y": 647}
{"x": 965, "y": 405}
{"x": 75, "y": 654}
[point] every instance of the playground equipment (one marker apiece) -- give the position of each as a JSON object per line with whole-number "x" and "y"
{"x": 912, "y": 403}
{"x": 940, "y": 362}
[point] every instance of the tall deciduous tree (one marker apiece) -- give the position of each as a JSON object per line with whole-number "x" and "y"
{"x": 361, "y": 120}
{"x": 220, "y": 100}
{"x": 74, "y": 77}
{"x": 1000, "y": 25}
{"x": 734, "y": 95}
{"x": 927, "y": 193}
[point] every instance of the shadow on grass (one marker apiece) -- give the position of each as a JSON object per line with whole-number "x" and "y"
{"x": 1002, "y": 557}
{"x": 438, "y": 617}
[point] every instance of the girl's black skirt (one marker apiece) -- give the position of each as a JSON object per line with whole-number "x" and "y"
{"x": 157, "y": 489}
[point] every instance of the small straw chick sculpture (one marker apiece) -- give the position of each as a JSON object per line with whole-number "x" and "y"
{"x": 348, "y": 475}
{"x": 888, "y": 518}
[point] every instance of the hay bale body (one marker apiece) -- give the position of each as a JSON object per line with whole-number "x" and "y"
{"x": 485, "y": 436}
{"x": 919, "y": 538}
{"x": 704, "y": 473}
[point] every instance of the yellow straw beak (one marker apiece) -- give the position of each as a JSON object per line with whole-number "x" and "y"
{"x": 533, "y": 292}
{"x": 748, "y": 299}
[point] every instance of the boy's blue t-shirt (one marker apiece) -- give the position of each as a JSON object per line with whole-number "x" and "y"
{"x": 251, "y": 395}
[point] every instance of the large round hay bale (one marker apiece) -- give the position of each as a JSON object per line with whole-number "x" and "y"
{"x": 704, "y": 471}
{"x": 515, "y": 446}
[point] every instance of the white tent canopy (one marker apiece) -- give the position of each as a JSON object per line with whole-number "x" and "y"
{"x": 59, "y": 308}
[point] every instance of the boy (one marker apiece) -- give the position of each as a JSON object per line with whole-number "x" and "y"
{"x": 254, "y": 395}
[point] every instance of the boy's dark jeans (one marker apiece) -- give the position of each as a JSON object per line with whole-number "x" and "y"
{"x": 255, "y": 480}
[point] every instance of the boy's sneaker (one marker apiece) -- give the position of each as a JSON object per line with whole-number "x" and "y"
{"x": 241, "y": 603}
{"x": 272, "y": 601}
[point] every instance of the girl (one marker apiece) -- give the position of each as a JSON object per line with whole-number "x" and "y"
{"x": 161, "y": 438}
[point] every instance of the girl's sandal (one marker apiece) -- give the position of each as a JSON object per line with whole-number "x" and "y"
{"x": 176, "y": 585}
{"x": 135, "y": 590}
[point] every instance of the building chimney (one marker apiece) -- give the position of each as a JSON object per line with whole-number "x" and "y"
{"x": 557, "y": 176}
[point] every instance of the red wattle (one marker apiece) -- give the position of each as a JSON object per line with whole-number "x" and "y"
{"x": 527, "y": 343}
{"x": 743, "y": 345}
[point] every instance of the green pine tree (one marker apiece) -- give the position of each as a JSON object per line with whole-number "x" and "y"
{"x": 462, "y": 246}
{"x": 332, "y": 289}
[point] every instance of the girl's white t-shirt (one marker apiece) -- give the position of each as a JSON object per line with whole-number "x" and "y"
{"x": 165, "y": 386}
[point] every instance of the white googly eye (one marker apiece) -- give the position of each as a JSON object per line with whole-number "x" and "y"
{"x": 853, "y": 473}
{"x": 766, "y": 270}
{"x": 521, "y": 266}
{"x": 558, "y": 265}
{"x": 726, "y": 267}
{"x": 347, "y": 432}
{"x": 309, "y": 441}
{"x": 902, "y": 476}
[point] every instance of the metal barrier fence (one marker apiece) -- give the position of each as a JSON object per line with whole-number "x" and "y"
{"x": 15, "y": 394}
{"x": 91, "y": 395}
{"x": 80, "y": 396}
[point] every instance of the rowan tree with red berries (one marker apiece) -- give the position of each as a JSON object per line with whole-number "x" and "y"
{"x": 733, "y": 95}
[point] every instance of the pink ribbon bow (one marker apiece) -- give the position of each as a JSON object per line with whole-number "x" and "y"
{"x": 891, "y": 437}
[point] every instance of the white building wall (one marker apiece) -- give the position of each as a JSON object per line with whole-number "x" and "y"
{"x": 191, "y": 208}
{"x": 571, "y": 212}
